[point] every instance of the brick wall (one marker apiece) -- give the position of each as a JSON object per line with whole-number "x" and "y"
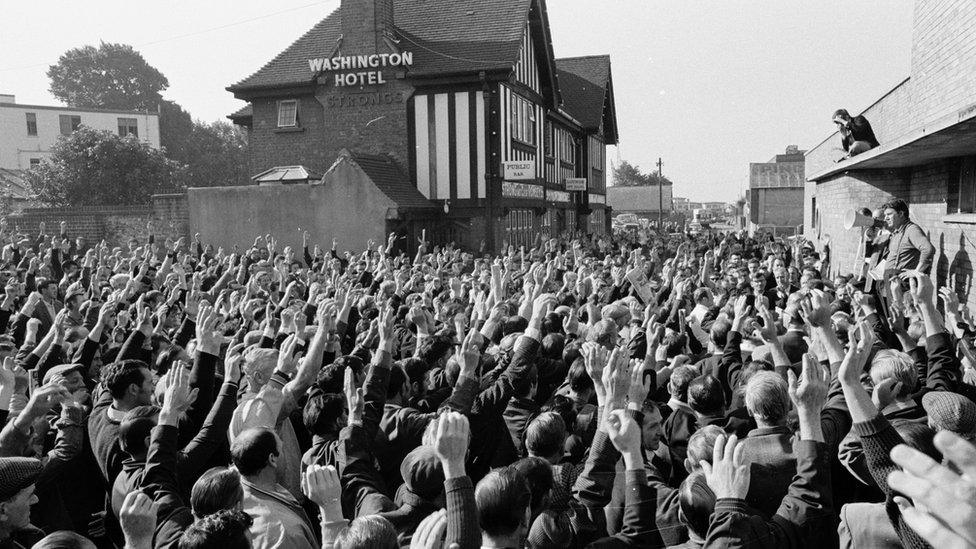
{"x": 779, "y": 207}
{"x": 925, "y": 189}
{"x": 114, "y": 224}
{"x": 943, "y": 58}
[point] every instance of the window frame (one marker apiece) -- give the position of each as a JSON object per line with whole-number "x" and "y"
{"x": 71, "y": 118}
{"x": 524, "y": 122}
{"x": 132, "y": 130}
{"x": 966, "y": 186}
{"x": 31, "y": 120}
{"x": 294, "y": 117}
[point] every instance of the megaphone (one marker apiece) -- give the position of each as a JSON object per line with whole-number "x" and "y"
{"x": 855, "y": 218}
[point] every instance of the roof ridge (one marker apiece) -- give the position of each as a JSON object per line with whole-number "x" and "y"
{"x": 606, "y": 55}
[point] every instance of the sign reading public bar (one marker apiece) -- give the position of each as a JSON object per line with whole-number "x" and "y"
{"x": 519, "y": 170}
{"x": 349, "y": 66}
{"x": 575, "y": 183}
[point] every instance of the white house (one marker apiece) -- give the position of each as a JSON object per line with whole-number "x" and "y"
{"x": 28, "y": 132}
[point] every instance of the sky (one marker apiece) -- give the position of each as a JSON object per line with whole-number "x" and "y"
{"x": 708, "y": 86}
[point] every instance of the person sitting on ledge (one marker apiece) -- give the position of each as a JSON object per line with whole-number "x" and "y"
{"x": 856, "y": 133}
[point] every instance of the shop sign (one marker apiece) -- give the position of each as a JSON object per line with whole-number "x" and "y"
{"x": 521, "y": 190}
{"x": 519, "y": 170}
{"x": 359, "y": 70}
{"x": 558, "y": 196}
{"x": 575, "y": 183}
{"x": 598, "y": 199}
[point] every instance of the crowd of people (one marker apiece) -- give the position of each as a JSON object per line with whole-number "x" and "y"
{"x": 715, "y": 390}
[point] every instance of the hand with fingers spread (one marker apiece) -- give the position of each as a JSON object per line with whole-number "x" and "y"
{"x": 138, "y": 520}
{"x": 207, "y": 336}
{"x": 179, "y": 396}
{"x": 616, "y": 378}
{"x": 451, "y": 440}
{"x": 541, "y": 307}
{"x": 385, "y": 328}
{"x": 943, "y": 506}
{"x": 861, "y": 338}
{"x": 728, "y": 473}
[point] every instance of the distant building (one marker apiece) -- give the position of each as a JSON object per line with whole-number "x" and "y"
{"x": 29, "y": 132}
{"x": 776, "y": 193}
{"x": 644, "y": 200}
{"x": 680, "y": 204}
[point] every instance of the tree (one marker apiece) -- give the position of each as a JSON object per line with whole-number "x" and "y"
{"x": 91, "y": 167}
{"x": 216, "y": 155}
{"x": 111, "y": 76}
{"x": 629, "y": 175}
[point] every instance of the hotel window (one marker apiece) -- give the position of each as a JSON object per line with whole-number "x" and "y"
{"x": 288, "y": 113}
{"x": 32, "y": 124}
{"x": 596, "y": 155}
{"x": 965, "y": 194}
{"x": 567, "y": 147}
{"x": 128, "y": 126}
{"x": 34, "y": 162}
{"x": 69, "y": 123}
{"x": 523, "y": 120}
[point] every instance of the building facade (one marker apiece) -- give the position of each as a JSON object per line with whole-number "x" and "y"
{"x": 29, "y": 132}
{"x": 776, "y": 193}
{"x": 644, "y": 200}
{"x": 926, "y": 126}
{"x": 487, "y": 137}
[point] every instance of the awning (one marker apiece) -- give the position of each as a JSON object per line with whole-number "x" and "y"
{"x": 949, "y": 136}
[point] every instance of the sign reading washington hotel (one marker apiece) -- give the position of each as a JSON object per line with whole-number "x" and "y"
{"x": 354, "y": 62}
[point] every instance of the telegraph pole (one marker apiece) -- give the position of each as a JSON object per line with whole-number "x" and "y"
{"x": 660, "y": 197}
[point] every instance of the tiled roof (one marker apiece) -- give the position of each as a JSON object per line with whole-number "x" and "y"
{"x": 583, "y": 82}
{"x": 445, "y": 36}
{"x": 390, "y": 179}
{"x": 247, "y": 111}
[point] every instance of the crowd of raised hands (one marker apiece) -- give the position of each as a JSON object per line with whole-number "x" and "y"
{"x": 690, "y": 391}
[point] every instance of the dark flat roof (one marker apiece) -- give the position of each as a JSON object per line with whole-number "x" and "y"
{"x": 79, "y": 109}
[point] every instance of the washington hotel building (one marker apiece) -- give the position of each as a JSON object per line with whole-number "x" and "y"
{"x": 456, "y": 111}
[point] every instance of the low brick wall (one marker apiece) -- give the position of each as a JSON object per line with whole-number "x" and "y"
{"x": 115, "y": 224}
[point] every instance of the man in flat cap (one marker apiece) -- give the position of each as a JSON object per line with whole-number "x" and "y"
{"x": 17, "y": 478}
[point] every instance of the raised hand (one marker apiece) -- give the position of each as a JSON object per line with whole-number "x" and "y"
{"x": 943, "y": 512}
{"x": 451, "y": 442}
{"x": 468, "y": 356}
{"x": 728, "y": 473}
{"x": 287, "y": 357}
{"x": 354, "y": 398}
{"x": 232, "y": 363}
{"x": 858, "y": 350}
{"x": 815, "y": 310}
{"x": 320, "y": 484}
{"x": 179, "y": 396}
{"x": 625, "y": 434}
{"x": 809, "y": 391}
{"x": 138, "y": 520}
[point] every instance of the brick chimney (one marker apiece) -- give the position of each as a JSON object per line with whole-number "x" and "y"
{"x": 364, "y": 24}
